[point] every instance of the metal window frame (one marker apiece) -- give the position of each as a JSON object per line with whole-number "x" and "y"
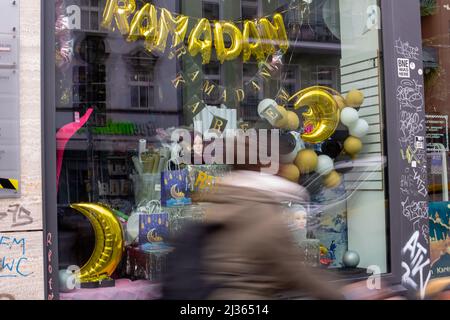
{"x": 400, "y": 20}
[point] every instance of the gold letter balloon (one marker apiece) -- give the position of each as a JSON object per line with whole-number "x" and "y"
{"x": 251, "y": 43}
{"x": 273, "y": 34}
{"x": 234, "y": 51}
{"x": 169, "y": 25}
{"x": 196, "y": 45}
{"x": 109, "y": 244}
{"x": 119, "y": 10}
{"x": 144, "y": 24}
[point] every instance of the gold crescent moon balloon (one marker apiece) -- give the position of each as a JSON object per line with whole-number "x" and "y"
{"x": 322, "y": 118}
{"x": 109, "y": 244}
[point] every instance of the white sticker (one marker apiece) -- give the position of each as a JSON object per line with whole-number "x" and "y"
{"x": 157, "y": 187}
{"x": 420, "y": 142}
{"x": 404, "y": 70}
{"x": 414, "y": 164}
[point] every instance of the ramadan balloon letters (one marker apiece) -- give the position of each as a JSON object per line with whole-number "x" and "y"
{"x": 258, "y": 39}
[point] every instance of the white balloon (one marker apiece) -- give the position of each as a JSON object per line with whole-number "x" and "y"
{"x": 359, "y": 129}
{"x": 325, "y": 165}
{"x": 132, "y": 230}
{"x": 300, "y": 145}
{"x": 266, "y": 103}
{"x": 349, "y": 116}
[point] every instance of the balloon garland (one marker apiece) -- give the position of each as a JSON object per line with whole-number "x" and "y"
{"x": 326, "y": 110}
{"x": 259, "y": 38}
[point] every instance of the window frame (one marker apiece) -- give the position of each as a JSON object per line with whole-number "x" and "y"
{"x": 400, "y": 18}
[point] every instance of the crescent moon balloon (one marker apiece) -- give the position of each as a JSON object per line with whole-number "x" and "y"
{"x": 322, "y": 117}
{"x": 109, "y": 243}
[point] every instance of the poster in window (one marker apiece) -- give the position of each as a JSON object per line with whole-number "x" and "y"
{"x": 439, "y": 216}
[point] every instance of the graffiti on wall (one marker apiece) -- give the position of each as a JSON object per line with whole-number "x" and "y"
{"x": 415, "y": 263}
{"x": 413, "y": 175}
{"x": 19, "y": 215}
{"x": 14, "y": 258}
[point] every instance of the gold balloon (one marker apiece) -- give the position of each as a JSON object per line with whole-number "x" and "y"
{"x": 353, "y": 146}
{"x": 354, "y": 98}
{"x": 148, "y": 31}
{"x": 332, "y": 180}
{"x": 322, "y": 116}
{"x": 289, "y": 172}
{"x": 169, "y": 25}
{"x": 306, "y": 161}
{"x": 223, "y": 53}
{"x": 283, "y": 122}
{"x": 293, "y": 121}
{"x": 118, "y": 10}
{"x": 340, "y": 101}
{"x": 251, "y": 43}
{"x": 109, "y": 244}
{"x": 195, "y": 45}
{"x": 273, "y": 34}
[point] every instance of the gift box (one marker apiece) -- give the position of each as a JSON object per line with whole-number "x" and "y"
{"x": 147, "y": 262}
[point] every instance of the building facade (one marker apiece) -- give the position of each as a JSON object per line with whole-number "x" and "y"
{"x": 108, "y": 88}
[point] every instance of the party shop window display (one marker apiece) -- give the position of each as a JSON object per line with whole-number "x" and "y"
{"x": 148, "y": 93}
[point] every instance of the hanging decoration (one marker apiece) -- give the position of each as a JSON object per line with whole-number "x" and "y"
{"x": 226, "y": 28}
{"x": 259, "y": 38}
{"x": 251, "y": 42}
{"x": 196, "y": 45}
{"x": 118, "y": 11}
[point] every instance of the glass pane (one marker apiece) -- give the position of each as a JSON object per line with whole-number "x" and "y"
{"x": 310, "y": 73}
{"x": 435, "y": 32}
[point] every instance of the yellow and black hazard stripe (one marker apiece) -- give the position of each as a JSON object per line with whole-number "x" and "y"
{"x": 9, "y": 184}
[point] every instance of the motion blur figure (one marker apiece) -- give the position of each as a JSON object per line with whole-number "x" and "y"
{"x": 248, "y": 251}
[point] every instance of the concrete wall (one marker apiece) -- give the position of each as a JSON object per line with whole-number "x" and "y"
{"x": 21, "y": 229}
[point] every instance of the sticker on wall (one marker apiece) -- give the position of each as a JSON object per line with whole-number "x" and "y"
{"x": 419, "y": 142}
{"x": 9, "y": 184}
{"x": 403, "y": 68}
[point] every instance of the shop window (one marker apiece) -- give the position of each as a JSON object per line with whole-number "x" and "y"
{"x": 211, "y": 10}
{"x": 212, "y": 77}
{"x": 90, "y": 14}
{"x": 249, "y": 9}
{"x": 122, "y": 97}
{"x": 142, "y": 91}
{"x": 436, "y": 40}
